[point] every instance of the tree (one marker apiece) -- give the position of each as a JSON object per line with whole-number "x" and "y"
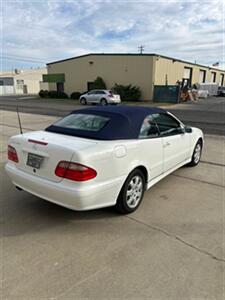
{"x": 99, "y": 84}
{"x": 127, "y": 92}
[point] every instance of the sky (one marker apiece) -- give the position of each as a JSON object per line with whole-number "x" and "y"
{"x": 37, "y": 32}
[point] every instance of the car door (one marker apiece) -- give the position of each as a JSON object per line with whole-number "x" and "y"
{"x": 176, "y": 143}
{"x": 95, "y": 96}
{"x": 98, "y": 96}
{"x": 90, "y": 96}
{"x": 151, "y": 147}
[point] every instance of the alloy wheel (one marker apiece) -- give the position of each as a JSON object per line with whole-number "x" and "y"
{"x": 197, "y": 153}
{"x": 134, "y": 191}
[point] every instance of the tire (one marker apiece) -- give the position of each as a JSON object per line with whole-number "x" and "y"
{"x": 132, "y": 193}
{"x": 103, "y": 101}
{"x": 83, "y": 101}
{"x": 196, "y": 156}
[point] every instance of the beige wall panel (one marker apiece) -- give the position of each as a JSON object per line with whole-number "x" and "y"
{"x": 175, "y": 71}
{"x": 135, "y": 70}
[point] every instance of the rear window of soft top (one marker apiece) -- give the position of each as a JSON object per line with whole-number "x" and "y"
{"x": 87, "y": 122}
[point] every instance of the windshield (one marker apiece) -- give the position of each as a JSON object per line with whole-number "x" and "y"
{"x": 83, "y": 122}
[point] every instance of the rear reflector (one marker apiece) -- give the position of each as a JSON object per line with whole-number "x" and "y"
{"x": 37, "y": 142}
{"x": 12, "y": 154}
{"x": 74, "y": 171}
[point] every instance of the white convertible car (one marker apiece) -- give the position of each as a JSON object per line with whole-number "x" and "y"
{"x": 102, "y": 156}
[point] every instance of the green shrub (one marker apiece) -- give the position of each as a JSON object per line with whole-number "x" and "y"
{"x": 75, "y": 95}
{"x": 43, "y": 93}
{"x": 127, "y": 92}
{"x": 57, "y": 95}
{"x": 99, "y": 84}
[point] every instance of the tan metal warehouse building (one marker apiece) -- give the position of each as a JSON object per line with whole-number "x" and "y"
{"x": 142, "y": 70}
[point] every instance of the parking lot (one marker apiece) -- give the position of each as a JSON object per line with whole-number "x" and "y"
{"x": 172, "y": 247}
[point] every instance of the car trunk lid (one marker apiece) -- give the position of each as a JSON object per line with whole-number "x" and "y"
{"x": 39, "y": 152}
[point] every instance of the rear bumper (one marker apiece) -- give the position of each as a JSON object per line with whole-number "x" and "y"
{"x": 82, "y": 198}
{"x": 112, "y": 100}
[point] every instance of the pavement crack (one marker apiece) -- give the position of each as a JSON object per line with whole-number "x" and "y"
{"x": 212, "y": 163}
{"x": 179, "y": 239}
{"x": 202, "y": 181}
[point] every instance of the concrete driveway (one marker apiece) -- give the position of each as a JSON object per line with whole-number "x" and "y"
{"x": 172, "y": 248}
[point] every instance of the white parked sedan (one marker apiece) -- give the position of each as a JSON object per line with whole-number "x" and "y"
{"x": 102, "y": 97}
{"x": 102, "y": 156}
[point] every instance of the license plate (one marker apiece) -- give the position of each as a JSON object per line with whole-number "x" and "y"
{"x": 34, "y": 160}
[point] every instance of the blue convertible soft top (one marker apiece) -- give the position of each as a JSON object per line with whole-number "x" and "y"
{"x": 124, "y": 122}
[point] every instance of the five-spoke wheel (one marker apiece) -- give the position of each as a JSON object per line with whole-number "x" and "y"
{"x": 196, "y": 156}
{"x": 132, "y": 192}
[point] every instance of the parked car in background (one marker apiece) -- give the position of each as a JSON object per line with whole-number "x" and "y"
{"x": 103, "y": 97}
{"x": 221, "y": 91}
{"x": 102, "y": 156}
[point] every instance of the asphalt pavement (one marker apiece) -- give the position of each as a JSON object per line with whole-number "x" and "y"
{"x": 207, "y": 114}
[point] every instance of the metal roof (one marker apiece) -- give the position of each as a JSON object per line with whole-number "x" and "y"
{"x": 135, "y": 54}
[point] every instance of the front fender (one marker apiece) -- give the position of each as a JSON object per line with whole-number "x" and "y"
{"x": 195, "y": 136}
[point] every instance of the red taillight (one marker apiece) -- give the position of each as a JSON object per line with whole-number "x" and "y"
{"x": 12, "y": 154}
{"x": 74, "y": 171}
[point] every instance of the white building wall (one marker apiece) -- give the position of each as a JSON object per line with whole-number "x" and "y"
{"x": 25, "y": 81}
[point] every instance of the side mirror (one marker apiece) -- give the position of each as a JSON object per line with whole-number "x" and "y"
{"x": 188, "y": 129}
{"x": 181, "y": 130}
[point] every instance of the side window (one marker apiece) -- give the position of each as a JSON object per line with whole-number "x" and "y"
{"x": 167, "y": 124}
{"x": 100, "y": 93}
{"x": 149, "y": 128}
{"x": 91, "y": 92}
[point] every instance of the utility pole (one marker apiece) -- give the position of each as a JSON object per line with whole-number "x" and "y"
{"x": 141, "y": 49}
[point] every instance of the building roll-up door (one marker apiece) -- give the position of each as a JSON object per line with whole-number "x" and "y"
{"x": 213, "y": 76}
{"x": 221, "y": 79}
{"x": 6, "y": 85}
{"x": 187, "y": 77}
{"x": 187, "y": 73}
{"x": 202, "y": 74}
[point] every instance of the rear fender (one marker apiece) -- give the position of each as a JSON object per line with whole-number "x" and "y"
{"x": 139, "y": 164}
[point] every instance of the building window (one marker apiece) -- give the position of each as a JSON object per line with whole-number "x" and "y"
{"x": 202, "y": 76}
{"x": 19, "y": 84}
{"x": 213, "y": 76}
{"x": 19, "y": 81}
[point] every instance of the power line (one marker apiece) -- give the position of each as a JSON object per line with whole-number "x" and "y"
{"x": 27, "y": 58}
{"x": 21, "y": 59}
{"x": 24, "y": 57}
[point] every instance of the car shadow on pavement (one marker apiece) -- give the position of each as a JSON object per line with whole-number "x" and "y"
{"x": 26, "y": 214}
